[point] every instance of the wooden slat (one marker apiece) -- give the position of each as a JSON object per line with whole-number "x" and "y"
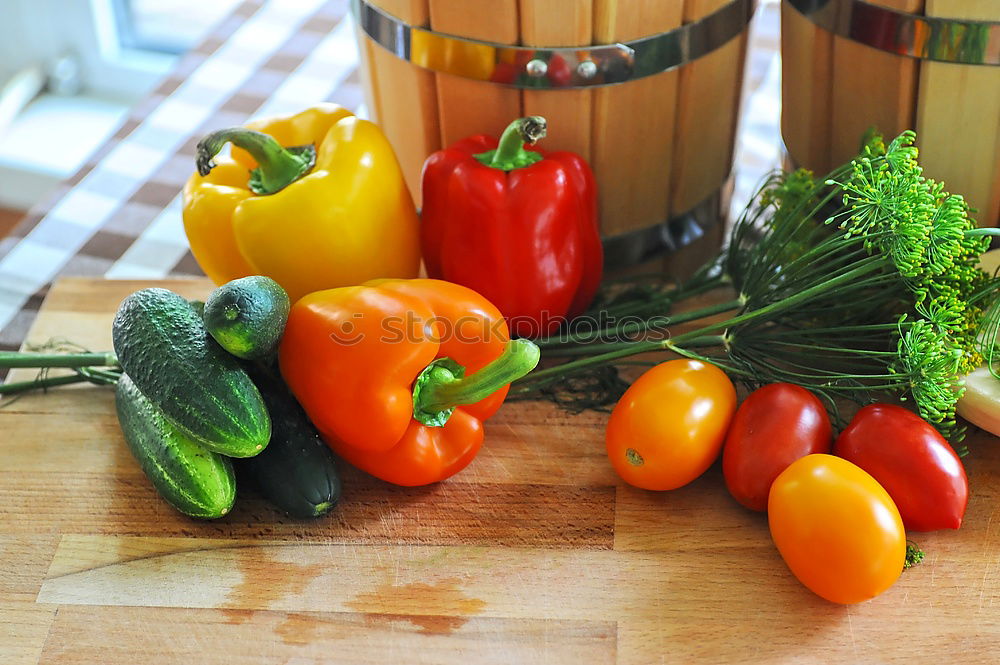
{"x": 641, "y": 519}
{"x": 481, "y": 581}
{"x": 560, "y": 23}
{"x": 958, "y": 119}
{"x": 8, "y": 220}
{"x": 76, "y": 428}
{"x": 24, "y": 560}
{"x": 24, "y": 626}
{"x": 708, "y": 104}
{"x": 871, "y": 88}
{"x": 405, "y": 96}
{"x": 158, "y": 636}
{"x": 467, "y": 107}
{"x": 368, "y": 74}
{"x": 411, "y": 11}
{"x": 633, "y": 123}
{"x": 458, "y": 581}
{"x": 696, "y": 605}
{"x": 806, "y": 79}
{"x": 501, "y": 514}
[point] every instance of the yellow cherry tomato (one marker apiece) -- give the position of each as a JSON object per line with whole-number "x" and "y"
{"x": 669, "y": 426}
{"x": 836, "y": 528}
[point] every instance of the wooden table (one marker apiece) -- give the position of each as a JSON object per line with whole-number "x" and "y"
{"x": 534, "y": 554}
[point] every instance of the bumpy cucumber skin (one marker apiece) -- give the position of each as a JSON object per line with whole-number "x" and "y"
{"x": 163, "y": 346}
{"x": 296, "y": 472}
{"x": 247, "y": 316}
{"x": 192, "y": 479}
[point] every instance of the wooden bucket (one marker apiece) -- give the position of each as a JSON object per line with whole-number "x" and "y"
{"x": 646, "y": 90}
{"x": 927, "y": 65}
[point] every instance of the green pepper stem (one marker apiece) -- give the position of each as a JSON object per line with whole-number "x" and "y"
{"x": 442, "y": 385}
{"x": 277, "y": 167}
{"x": 28, "y": 359}
{"x": 510, "y": 153}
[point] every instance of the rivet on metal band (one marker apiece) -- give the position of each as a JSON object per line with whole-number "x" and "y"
{"x": 924, "y": 37}
{"x": 563, "y": 68}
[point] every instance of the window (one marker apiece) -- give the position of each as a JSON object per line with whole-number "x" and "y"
{"x": 171, "y": 26}
{"x": 69, "y": 70}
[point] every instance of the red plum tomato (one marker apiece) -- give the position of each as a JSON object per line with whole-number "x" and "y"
{"x": 776, "y": 425}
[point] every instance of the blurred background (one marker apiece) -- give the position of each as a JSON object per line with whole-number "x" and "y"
{"x": 69, "y": 72}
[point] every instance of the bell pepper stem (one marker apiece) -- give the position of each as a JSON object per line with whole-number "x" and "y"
{"x": 510, "y": 153}
{"x": 277, "y": 167}
{"x": 443, "y": 385}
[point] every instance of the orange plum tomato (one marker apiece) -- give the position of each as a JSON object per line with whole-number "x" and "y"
{"x": 836, "y": 528}
{"x": 669, "y": 426}
{"x": 774, "y": 426}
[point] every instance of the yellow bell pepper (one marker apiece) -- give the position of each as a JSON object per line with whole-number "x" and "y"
{"x": 332, "y": 210}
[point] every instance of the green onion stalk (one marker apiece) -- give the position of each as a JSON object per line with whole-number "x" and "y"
{"x": 858, "y": 283}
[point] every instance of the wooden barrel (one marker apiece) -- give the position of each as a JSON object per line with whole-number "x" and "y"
{"x": 660, "y": 144}
{"x": 927, "y": 65}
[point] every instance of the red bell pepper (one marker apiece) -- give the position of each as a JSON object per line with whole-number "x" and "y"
{"x": 517, "y": 225}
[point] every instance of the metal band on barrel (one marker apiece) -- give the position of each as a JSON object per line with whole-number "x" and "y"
{"x": 924, "y": 37}
{"x": 556, "y": 68}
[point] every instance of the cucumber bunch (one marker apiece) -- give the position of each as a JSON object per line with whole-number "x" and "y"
{"x": 189, "y": 408}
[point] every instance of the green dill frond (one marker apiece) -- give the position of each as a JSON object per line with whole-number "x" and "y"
{"x": 989, "y": 338}
{"x": 886, "y": 296}
{"x": 872, "y": 143}
{"x": 945, "y": 313}
{"x": 901, "y": 153}
{"x": 930, "y": 362}
{"x": 914, "y": 555}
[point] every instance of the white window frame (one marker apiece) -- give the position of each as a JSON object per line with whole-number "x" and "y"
{"x": 34, "y": 32}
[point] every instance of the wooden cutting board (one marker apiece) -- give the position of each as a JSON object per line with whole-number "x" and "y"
{"x": 534, "y": 554}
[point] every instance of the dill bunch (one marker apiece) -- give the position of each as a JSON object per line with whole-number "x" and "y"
{"x": 862, "y": 282}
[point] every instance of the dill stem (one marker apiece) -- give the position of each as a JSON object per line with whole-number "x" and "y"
{"x": 626, "y": 349}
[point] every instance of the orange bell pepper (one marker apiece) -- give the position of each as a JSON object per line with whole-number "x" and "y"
{"x": 399, "y": 375}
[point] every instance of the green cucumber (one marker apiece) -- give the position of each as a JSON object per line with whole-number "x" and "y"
{"x": 163, "y": 346}
{"x": 247, "y": 316}
{"x": 296, "y": 472}
{"x": 192, "y": 479}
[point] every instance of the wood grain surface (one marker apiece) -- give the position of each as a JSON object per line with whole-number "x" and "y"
{"x": 394, "y": 84}
{"x": 560, "y": 23}
{"x": 958, "y": 118}
{"x": 870, "y": 89}
{"x": 806, "y": 72}
{"x": 467, "y": 107}
{"x": 629, "y": 147}
{"x": 534, "y": 554}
